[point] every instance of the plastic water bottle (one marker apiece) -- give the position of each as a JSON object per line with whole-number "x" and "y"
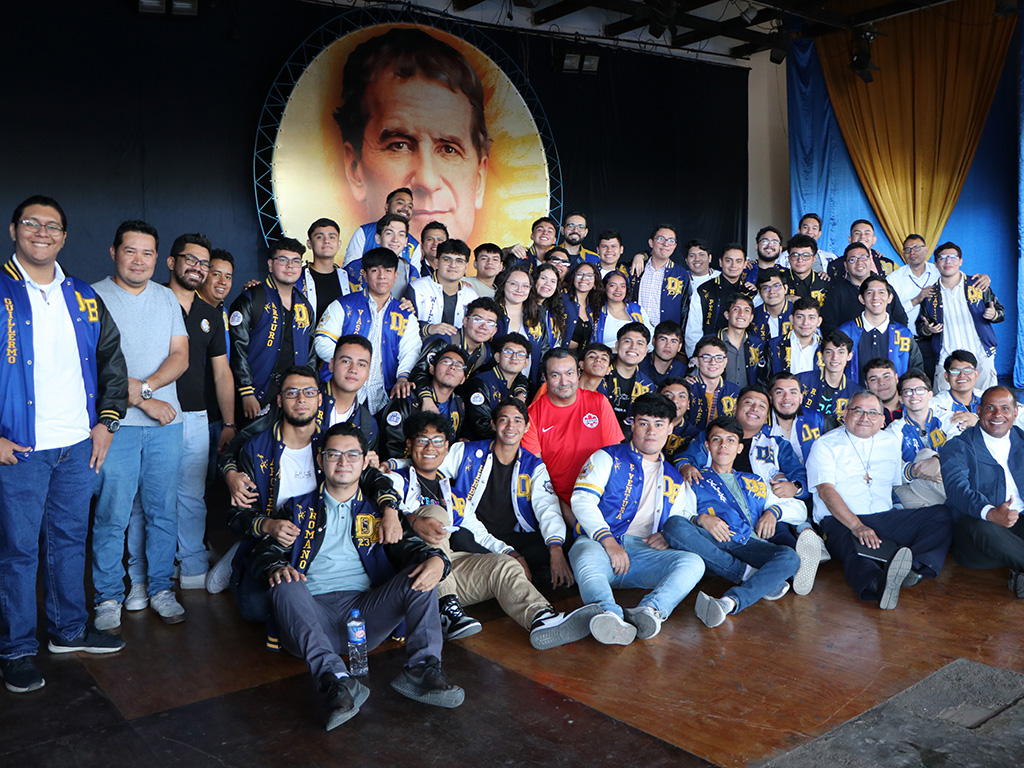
{"x": 357, "y": 666}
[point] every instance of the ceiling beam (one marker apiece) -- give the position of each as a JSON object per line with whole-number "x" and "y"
{"x": 556, "y": 11}
{"x": 465, "y": 5}
{"x": 764, "y": 15}
{"x": 811, "y": 12}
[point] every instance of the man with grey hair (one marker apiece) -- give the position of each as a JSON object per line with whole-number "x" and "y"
{"x": 851, "y": 472}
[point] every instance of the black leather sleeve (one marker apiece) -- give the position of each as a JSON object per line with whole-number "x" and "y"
{"x": 111, "y": 368}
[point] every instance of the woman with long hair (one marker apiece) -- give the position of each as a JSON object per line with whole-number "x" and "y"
{"x": 522, "y": 313}
{"x": 582, "y": 299}
{"x": 547, "y": 286}
{"x": 617, "y": 311}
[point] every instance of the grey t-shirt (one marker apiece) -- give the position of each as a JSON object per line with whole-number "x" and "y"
{"x": 147, "y": 323}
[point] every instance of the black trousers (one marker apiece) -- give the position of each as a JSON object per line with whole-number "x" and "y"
{"x": 980, "y": 544}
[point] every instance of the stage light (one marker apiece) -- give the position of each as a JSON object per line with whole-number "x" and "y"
{"x": 860, "y": 55}
{"x": 152, "y": 6}
{"x": 574, "y": 61}
{"x": 780, "y": 41}
{"x": 749, "y": 13}
{"x": 185, "y": 7}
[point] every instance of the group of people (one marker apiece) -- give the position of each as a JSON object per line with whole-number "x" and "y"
{"x": 415, "y": 441}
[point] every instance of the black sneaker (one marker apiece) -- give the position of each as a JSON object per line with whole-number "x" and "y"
{"x": 21, "y": 675}
{"x": 343, "y": 697}
{"x": 1016, "y": 583}
{"x": 90, "y": 641}
{"x": 454, "y": 622}
{"x": 428, "y": 684}
{"x": 550, "y": 629}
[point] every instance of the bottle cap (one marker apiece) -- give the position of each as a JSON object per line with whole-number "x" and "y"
{"x": 354, "y": 614}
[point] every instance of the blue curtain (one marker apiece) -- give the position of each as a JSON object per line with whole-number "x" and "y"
{"x": 987, "y": 222}
{"x": 821, "y": 175}
{"x": 1018, "y": 369}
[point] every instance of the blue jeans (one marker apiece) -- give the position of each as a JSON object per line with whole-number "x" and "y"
{"x": 775, "y": 563}
{"x": 46, "y": 495}
{"x": 191, "y": 505}
{"x": 142, "y": 461}
{"x": 669, "y": 573}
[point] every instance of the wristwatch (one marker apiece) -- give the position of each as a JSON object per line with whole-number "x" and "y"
{"x": 147, "y": 391}
{"x": 110, "y": 423}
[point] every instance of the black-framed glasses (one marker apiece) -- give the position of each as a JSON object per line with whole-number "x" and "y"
{"x": 350, "y": 457}
{"x": 451, "y": 362}
{"x": 437, "y": 441}
{"x": 292, "y": 393}
{"x": 192, "y": 261}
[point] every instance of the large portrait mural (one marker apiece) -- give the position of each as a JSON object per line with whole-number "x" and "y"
{"x": 408, "y": 105}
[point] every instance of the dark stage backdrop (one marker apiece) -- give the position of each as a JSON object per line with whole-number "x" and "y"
{"x": 122, "y": 115}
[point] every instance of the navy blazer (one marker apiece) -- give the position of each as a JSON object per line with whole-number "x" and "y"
{"x": 970, "y": 475}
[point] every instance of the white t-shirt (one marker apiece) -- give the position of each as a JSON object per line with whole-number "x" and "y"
{"x": 646, "y": 513}
{"x": 297, "y": 473}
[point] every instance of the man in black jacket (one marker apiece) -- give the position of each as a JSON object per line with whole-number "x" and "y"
{"x": 339, "y": 568}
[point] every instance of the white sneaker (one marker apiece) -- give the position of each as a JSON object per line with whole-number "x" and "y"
{"x": 108, "y": 617}
{"x": 808, "y": 547}
{"x": 609, "y": 629}
{"x": 137, "y": 598}
{"x": 219, "y": 576}
{"x": 167, "y": 607}
{"x": 193, "y": 582}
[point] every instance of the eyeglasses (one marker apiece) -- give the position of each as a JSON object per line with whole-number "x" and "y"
{"x": 192, "y": 261}
{"x": 861, "y": 413}
{"x": 452, "y": 260}
{"x": 800, "y": 256}
{"x": 665, "y": 240}
{"x": 437, "y": 441}
{"x": 349, "y": 457}
{"x": 451, "y": 362}
{"x": 284, "y": 261}
{"x": 769, "y": 241}
{"x": 713, "y": 358}
{"x": 563, "y": 262}
{"x": 575, "y": 226}
{"x": 914, "y": 391}
{"x": 912, "y": 249}
{"x": 34, "y": 226}
{"x": 515, "y": 354}
{"x": 477, "y": 320}
{"x": 946, "y": 257}
{"x": 773, "y": 288}
{"x": 851, "y": 259}
{"x": 967, "y": 370}
{"x": 292, "y": 393}
{"x": 586, "y": 277}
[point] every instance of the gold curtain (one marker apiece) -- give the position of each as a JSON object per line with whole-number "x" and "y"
{"x": 913, "y": 132}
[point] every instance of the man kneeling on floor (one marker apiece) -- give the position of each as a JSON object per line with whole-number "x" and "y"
{"x": 736, "y": 513}
{"x": 624, "y": 496}
{"x": 492, "y": 568}
{"x": 336, "y": 565}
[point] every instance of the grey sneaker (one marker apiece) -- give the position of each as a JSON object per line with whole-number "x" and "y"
{"x": 712, "y": 611}
{"x": 108, "y": 617}
{"x": 219, "y": 576}
{"x": 193, "y": 582}
{"x": 137, "y": 598}
{"x": 647, "y": 620}
{"x": 1016, "y": 583}
{"x": 427, "y": 683}
{"x": 808, "y": 548}
{"x": 167, "y": 607}
{"x": 779, "y": 593}
{"x": 609, "y": 629}
{"x": 895, "y": 573}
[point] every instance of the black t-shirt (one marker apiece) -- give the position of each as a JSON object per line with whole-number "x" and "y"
{"x": 495, "y": 508}
{"x": 430, "y": 490}
{"x": 327, "y": 290}
{"x": 205, "y": 327}
{"x": 285, "y": 354}
{"x": 450, "y": 303}
{"x": 742, "y": 461}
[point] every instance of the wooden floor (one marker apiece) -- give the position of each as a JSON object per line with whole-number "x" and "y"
{"x": 207, "y": 693}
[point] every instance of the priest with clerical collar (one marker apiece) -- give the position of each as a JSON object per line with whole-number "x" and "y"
{"x": 851, "y": 472}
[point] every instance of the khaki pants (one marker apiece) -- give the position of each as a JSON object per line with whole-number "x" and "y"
{"x": 919, "y": 492}
{"x": 475, "y": 578}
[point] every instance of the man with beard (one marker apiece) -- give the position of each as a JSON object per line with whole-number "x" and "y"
{"x": 574, "y": 229}
{"x": 431, "y": 238}
{"x": 189, "y": 264}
